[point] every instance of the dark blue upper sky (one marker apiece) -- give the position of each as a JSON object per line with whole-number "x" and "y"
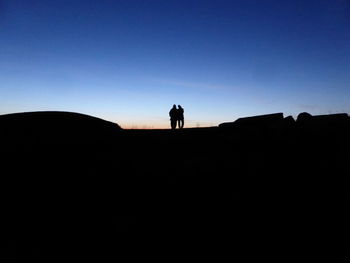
{"x": 129, "y": 61}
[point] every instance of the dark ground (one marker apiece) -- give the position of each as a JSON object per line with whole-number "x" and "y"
{"x": 274, "y": 194}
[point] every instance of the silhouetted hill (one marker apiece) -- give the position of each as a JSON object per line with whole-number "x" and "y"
{"x": 54, "y": 127}
{"x": 263, "y": 188}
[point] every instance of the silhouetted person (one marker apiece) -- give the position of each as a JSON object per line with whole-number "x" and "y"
{"x": 180, "y": 117}
{"x": 173, "y": 117}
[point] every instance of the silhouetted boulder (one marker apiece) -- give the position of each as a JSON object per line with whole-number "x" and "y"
{"x": 287, "y": 124}
{"x": 330, "y": 120}
{"x": 255, "y": 121}
{"x": 304, "y": 117}
{"x": 289, "y": 120}
{"x": 54, "y": 126}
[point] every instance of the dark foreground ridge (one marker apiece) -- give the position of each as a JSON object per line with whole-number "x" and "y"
{"x": 76, "y": 188}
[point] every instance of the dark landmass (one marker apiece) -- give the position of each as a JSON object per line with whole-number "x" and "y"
{"x": 75, "y": 188}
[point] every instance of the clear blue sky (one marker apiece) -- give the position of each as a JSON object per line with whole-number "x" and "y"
{"x": 129, "y": 61}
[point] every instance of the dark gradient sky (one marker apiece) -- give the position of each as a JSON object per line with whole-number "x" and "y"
{"x": 130, "y": 61}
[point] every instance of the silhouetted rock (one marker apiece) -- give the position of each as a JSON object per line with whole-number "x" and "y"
{"x": 325, "y": 121}
{"x": 304, "y": 117}
{"x": 54, "y": 126}
{"x": 255, "y": 121}
{"x": 289, "y": 119}
{"x": 288, "y": 124}
{"x": 331, "y": 119}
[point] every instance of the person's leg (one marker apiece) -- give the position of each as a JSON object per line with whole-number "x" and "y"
{"x": 182, "y": 123}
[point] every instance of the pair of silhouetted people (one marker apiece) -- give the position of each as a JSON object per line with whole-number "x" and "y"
{"x": 176, "y": 117}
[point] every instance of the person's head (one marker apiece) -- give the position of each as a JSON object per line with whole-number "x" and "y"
{"x": 179, "y": 106}
{"x": 174, "y": 106}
